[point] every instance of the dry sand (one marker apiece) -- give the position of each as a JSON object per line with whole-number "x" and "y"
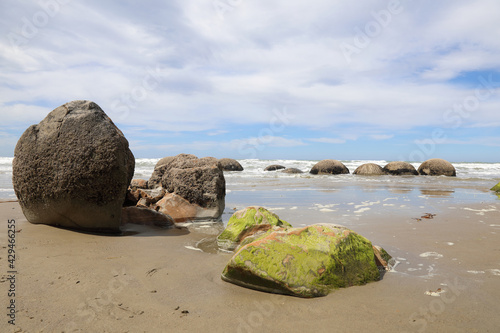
{"x": 149, "y": 280}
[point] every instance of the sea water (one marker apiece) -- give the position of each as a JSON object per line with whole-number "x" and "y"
{"x": 342, "y": 196}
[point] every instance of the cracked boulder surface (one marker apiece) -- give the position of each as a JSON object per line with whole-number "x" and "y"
{"x": 73, "y": 169}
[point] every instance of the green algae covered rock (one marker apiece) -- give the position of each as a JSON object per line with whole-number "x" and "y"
{"x": 496, "y": 188}
{"x": 305, "y": 262}
{"x": 247, "y": 222}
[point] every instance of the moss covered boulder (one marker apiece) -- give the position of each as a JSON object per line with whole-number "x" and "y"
{"x": 496, "y": 188}
{"x": 247, "y": 222}
{"x": 305, "y": 262}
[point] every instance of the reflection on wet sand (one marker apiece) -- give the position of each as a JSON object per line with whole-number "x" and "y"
{"x": 437, "y": 192}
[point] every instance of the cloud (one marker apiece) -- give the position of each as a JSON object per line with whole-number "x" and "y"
{"x": 328, "y": 140}
{"x": 183, "y": 66}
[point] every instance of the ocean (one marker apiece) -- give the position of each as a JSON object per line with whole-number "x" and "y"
{"x": 342, "y": 198}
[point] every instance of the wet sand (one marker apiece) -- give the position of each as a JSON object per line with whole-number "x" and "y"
{"x": 155, "y": 280}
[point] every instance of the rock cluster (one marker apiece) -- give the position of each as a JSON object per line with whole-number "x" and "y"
{"x": 73, "y": 169}
{"x": 184, "y": 187}
{"x": 305, "y": 262}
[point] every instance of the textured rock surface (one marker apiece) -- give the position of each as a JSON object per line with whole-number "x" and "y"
{"x": 162, "y": 165}
{"x": 304, "y": 262}
{"x": 329, "y": 167}
{"x": 369, "y": 169}
{"x": 437, "y": 167}
{"x": 228, "y": 164}
{"x": 145, "y": 216}
{"x": 73, "y": 169}
{"x": 400, "y": 169}
{"x": 139, "y": 183}
{"x": 247, "y": 222}
{"x": 195, "y": 187}
{"x": 274, "y": 167}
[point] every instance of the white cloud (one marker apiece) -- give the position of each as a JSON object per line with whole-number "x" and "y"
{"x": 328, "y": 140}
{"x": 211, "y": 69}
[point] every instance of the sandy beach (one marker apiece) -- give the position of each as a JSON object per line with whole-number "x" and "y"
{"x": 447, "y": 279}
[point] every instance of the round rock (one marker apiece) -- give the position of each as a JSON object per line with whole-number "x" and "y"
{"x": 228, "y": 164}
{"x": 437, "y": 167}
{"x": 292, "y": 170}
{"x": 369, "y": 169}
{"x": 73, "y": 169}
{"x": 400, "y": 169}
{"x": 274, "y": 167}
{"x": 329, "y": 167}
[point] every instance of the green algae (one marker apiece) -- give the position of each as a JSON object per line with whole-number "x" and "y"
{"x": 246, "y": 222}
{"x": 496, "y": 188}
{"x": 305, "y": 262}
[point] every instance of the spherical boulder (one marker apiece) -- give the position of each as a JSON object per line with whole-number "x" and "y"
{"x": 73, "y": 169}
{"x": 329, "y": 167}
{"x": 228, "y": 164}
{"x": 292, "y": 171}
{"x": 400, "y": 169}
{"x": 437, "y": 167}
{"x": 274, "y": 167}
{"x": 369, "y": 169}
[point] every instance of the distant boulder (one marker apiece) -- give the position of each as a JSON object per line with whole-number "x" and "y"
{"x": 73, "y": 169}
{"x": 329, "y": 167}
{"x": 292, "y": 170}
{"x": 228, "y": 164}
{"x": 274, "y": 167}
{"x": 400, "y": 169}
{"x": 369, "y": 169}
{"x": 437, "y": 167}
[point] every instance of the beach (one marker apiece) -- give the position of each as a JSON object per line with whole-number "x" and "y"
{"x": 148, "y": 279}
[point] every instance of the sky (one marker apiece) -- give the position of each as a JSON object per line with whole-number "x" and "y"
{"x": 317, "y": 79}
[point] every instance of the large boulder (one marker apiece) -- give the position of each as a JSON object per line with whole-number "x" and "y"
{"x": 73, "y": 169}
{"x": 274, "y": 167}
{"x": 195, "y": 187}
{"x": 305, "y": 262}
{"x": 228, "y": 164}
{"x": 329, "y": 167}
{"x": 369, "y": 169}
{"x": 437, "y": 167}
{"x": 162, "y": 165}
{"x": 247, "y": 222}
{"x": 400, "y": 168}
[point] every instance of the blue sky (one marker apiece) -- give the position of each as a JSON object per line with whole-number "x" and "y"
{"x": 317, "y": 79}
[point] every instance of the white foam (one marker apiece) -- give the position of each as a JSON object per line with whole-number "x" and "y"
{"x": 431, "y": 255}
{"x": 476, "y": 272}
{"x": 193, "y": 248}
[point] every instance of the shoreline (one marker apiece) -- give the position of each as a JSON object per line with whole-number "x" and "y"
{"x": 145, "y": 279}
